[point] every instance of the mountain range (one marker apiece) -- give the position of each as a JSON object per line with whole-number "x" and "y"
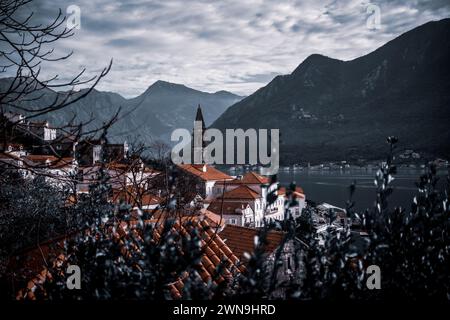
{"x": 328, "y": 109}
{"x": 151, "y": 116}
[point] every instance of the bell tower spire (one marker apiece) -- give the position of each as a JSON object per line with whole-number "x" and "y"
{"x": 199, "y": 116}
{"x": 199, "y": 129}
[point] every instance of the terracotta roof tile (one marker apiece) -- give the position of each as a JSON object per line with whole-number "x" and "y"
{"x": 216, "y": 253}
{"x": 214, "y": 220}
{"x": 254, "y": 178}
{"x": 248, "y": 178}
{"x": 49, "y": 161}
{"x": 227, "y": 207}
{"x": 241, "y": 192}
{"x": 131, "y": 195}
{"x": 205, "y": 172}
{"x": 242, "y": 239}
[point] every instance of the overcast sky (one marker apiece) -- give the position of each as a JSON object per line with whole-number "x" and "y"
{"x": 235, "y": 45}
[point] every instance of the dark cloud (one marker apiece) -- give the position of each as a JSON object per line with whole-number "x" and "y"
{"x": 236, "y": 45}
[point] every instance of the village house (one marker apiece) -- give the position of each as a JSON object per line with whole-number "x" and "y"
{"x": 63, "y": 146}
{"x": 205, "y": 176}
{"x": 256, "y": 182}
{"x": 15, "y": 149}
{"x": 333, "y": 214}
{"x": 14, "y": 117}
{"x": 297, "y": 201}
{"x": 262, "y": 210}
{"x": 92, "y": 151}
{"x": 241, "y": 197}
{"x": 236, "y": 213}
{"x": 138, "y": 198}
{"x": 119, "y": 175}
{"x": 243, "y": 201}
{"x": 41, "y": 129}
{"x": 18, "y": 130}
{"x": 327, "y": 218}
{"x": 12, "y": 162}
{"x": 58, "y": 172}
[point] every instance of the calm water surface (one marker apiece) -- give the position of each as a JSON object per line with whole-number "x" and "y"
{"x": 332, "y": 186}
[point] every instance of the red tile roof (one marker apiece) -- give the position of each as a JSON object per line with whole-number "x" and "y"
{"x": 248, "y": 178}
{"x": 254, "y": 178}
{"x": 242, "y": 192}
{"x": 40, "y": 158}
{"x": 136, "y": 197}
{"x": 48, "y": 161}
{"x": 215, "y": 254}
{"x": 213, "y": 219}
{"x": 123, "y": 166}
{"x": 227, "y": 207}
{"x": 32, "y": 264}
{"x": 210, "y": 173}
{"x": 242, "y": 239}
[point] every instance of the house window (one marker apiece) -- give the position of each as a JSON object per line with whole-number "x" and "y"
{"x": 289, "y": 263}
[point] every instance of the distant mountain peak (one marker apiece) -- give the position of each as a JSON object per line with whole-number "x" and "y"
{"x": 316, "y": 60}
{"x": 224, "y": 93}
{"x": 166, "y": 85}
{"x": 317, "y": 57}
{"x": 163, "y": 86}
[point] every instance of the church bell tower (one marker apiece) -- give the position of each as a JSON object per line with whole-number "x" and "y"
{"x": 199, "y": 144}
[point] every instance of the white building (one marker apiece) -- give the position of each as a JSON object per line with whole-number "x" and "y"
{"x": 59, "y": 172}
{"x": 14, "y": 117}
{"x": 10, "y": 161}
{"x": 206, "y": 178}
{"x": 263, "y": 187}
{"x": 40, "y": 130}
{"x": 15, "y": 149}
{"x": 333, "y": 214}
{"x": 241, "y": 197}
{"x": 119, "y": 175}
{"x": 234, "y": 213}
{"x": 297, "y": 200}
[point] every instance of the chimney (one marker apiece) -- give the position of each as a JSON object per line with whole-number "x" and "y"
{"x": 204, "y": 168}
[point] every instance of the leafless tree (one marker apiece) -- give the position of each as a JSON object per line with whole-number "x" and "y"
{"x": 25, "y": 46}
{"x": 27, "y": 95}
